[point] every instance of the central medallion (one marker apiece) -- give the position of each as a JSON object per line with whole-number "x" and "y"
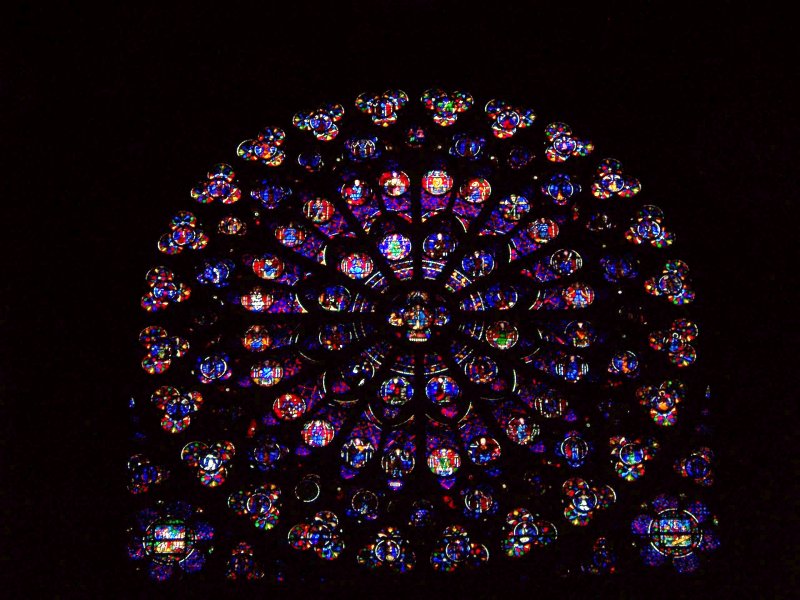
{"x": 417, "y": 315}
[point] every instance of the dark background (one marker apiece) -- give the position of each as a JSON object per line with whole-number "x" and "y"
{"x": 110, "y": 114}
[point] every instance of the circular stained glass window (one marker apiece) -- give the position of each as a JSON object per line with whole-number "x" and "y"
{"x": 419, "y": 334}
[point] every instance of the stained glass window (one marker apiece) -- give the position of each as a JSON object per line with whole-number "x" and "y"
{"x": 419, "y": 334}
